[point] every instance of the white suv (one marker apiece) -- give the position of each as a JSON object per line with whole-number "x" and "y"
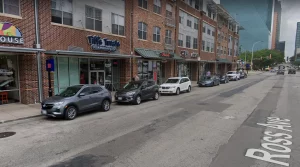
{"x": 233, "y": 75}
{"x": 176, "y": 85}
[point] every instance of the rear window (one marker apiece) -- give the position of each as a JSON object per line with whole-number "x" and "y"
{"x": 231, "y": 72}
{"x": 172, "y": 81}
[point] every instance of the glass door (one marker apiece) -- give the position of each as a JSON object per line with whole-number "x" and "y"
{"x": 97, "y": 77}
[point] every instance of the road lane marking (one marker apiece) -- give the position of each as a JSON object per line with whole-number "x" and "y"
{"x": 276, "y": 143}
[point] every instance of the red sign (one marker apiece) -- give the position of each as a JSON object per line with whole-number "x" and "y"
{"x": 155, "y": 75}
{"x": 165, "y": 55}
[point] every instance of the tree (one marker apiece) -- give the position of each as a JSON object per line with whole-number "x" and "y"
{"x": 261, "y": 58}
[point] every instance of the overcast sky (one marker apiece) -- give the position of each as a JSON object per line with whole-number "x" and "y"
{"x": 289, "y": 19}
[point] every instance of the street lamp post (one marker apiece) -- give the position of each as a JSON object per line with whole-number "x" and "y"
{"x": 252, "y": 53}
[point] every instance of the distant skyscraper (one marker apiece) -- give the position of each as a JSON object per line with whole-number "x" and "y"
{"x": 256, "y": 17}
{"x": 297, "y": 41}
{"x": 281, "y": 46}
{"x": 276, "y": 24}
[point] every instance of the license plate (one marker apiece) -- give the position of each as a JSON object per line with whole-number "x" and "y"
{"x": 119, "y": 98}
{"x": 44, "y": 112}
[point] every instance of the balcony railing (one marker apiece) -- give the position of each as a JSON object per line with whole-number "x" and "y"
{"x": 170, "y": 22}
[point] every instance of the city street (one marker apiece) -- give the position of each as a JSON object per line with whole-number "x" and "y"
{"x": 248, "y": 123}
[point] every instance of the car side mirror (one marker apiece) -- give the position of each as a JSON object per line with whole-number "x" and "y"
{"x": 81, "y": 94}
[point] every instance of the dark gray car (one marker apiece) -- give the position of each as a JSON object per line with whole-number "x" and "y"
{"x": 77, "y": 99}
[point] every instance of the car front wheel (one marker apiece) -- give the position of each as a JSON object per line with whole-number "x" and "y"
{"x": 105, "y": 106}
{"x": 138, "y": 100}
{"x": 71, "y": 113}
{"x": 156, "y": 96}
{"x": 177, "y": 91}
{"x": 189, "y": 89}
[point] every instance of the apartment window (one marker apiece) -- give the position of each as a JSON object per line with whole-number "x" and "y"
{"x": 169, "y": 10}
{"x": 213, "y": 33}
{"x": 196, "y": 24}
{"x": 209, "y": 12}
{"x": 208, "y": 31}
{"x": 225, "y": 49}
{"x": 208, "y": 47}
{"x": 204, "y": 29}
{"x": 156, "y": 34}
{"x": 203, "y": 45}
{"x": 142, "y": 30}
{"x": 117, "y": 24}
{"x": 93, "y": 18}
{"x": 157, "y": 6}
{"x": 189, "y": 23}
{"x": 181, "y": 17}
{"x": 212, "y": 48}
{"x": 10, "y": 7}
{"x": 168, "y": 38}
{"x": 188, "y": 42}
{"x": 143, "y": 4}
{"x": 191, "y": 2}
{"x": 180, "y": 40}
{"x": 229, "y": 39}
{"x": 195, "y": 43}
{"x": 221, "y": 51}
{"x": 61, "y": 11}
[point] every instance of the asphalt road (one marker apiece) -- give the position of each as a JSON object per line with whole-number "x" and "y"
{"x": 252, "y": 122}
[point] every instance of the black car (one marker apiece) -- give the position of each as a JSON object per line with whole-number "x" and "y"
{"x": 224, "y": 79}
{"x": 280, "y": 72}
{"x": 291, "y": 71}
{"x": 209, "y": 81}
{"x": 136, "y": 91}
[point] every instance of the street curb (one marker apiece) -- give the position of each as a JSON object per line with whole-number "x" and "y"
{"x": 19, "y": 119}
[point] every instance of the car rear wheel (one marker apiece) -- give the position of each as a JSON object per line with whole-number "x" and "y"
{"x": 189, "y": 89}
{"x": 137, "y": 100}
{"x": 236, "y": 79}
{"x": 177, "y": 91}
{"x": 71, "y": 113}
{"x": 156, "y": 96}
{"x": 105, "y": 106}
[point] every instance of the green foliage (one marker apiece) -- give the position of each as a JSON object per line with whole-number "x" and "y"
{"x": 261, "y": 58}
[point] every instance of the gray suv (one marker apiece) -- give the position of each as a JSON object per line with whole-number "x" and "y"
{"x": 77, "y": 99}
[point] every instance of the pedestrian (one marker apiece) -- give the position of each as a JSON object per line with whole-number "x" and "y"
{"x": 208, "y": 73}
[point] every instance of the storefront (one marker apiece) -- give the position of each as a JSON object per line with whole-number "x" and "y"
{"x": 155, "y": 64}
{"x": 72, "y": 68}
{"x": 18, "y": 67}
{"x": 222, "y": 66}
{"x": 188, "y": 67}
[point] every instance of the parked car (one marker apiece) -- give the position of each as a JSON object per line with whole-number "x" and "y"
{"x": 224, "y": 79}
{"x": 280, "y": 72}
{"x": 77, "y": 99}
{"x": 137, "y": 91}
{"x": 209, "y": 81}
{"x": 176, "y": 85}
{"x": 291, "y": 71}
{"x": 243, "y": 75}
{"x": 233, "y": 75}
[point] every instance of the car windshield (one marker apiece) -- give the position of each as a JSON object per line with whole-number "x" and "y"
{"x": 172, "y": 81}
{"x": 205, "y": 78}
{"x": 70, "y": 91}
{"x": 231, "y": 72}
{"x": 132, "y": 85}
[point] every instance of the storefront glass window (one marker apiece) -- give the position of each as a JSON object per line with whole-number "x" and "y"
{"x": 9, "y": 82}
{"x": 149, "y": 70}
{"x": 63, "y": 73}
{"x": 84, "y": 71}
{"x": 74, "y": 71}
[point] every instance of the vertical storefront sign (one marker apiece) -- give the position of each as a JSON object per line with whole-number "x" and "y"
{"x": 155, "y": 75}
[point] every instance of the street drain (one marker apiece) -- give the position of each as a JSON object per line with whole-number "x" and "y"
{"x": 6, "y": 134}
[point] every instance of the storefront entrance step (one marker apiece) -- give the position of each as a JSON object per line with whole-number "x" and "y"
{"x": 13, "y": 112}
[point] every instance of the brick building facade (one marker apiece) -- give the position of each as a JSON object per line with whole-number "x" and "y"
{"x": 147, "y": 32}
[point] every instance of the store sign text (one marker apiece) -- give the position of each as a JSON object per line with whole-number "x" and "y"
{"x": 103, "y": 44}
{"x": 10, "y": 34}
{"x": 168, "y": 55}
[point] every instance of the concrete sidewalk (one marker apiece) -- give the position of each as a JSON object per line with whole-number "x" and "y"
{"x": 16, "y": 111}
